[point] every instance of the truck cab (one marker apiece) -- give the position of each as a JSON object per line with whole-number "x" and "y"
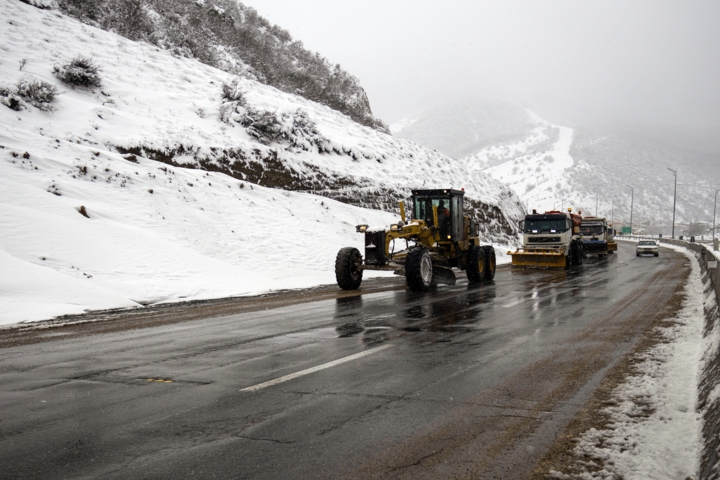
{"x": 549, "y": 240}
{"x": 597, "y": 236}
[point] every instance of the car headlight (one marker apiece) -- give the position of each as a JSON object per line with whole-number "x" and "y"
{"x": 361, "y": 228}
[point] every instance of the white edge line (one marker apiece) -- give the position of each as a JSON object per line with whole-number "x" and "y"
{"x": 301, "y": 373}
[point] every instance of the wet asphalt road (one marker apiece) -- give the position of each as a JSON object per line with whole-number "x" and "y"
{"x": 464, "y": 381}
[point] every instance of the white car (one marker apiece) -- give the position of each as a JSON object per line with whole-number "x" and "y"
{"x": 647, "y": 247}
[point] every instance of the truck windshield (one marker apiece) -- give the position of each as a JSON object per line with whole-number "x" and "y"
{"x": 591, "y": 229}
{"x": 545, "y": 225}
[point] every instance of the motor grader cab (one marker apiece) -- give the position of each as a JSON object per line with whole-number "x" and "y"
{"x": 437, "y": 238}
{"x": 551, "y": 239}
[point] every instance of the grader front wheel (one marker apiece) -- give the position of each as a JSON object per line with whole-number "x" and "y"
{"x": 347, "y": 268}
{"x": 418, "y": 270}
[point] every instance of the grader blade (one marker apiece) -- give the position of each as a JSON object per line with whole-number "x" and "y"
{"x": 443, "y": 275}
{"x": 539, "y": 259}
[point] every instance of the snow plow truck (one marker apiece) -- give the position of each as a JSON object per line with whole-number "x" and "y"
{"x": 437, "y": 238}
{"x": 551, "y": 239}
{"x": 597, "y": 236}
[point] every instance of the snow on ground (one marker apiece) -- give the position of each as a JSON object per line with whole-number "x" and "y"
{"x": 158, "y": 233}
{"x": 155, "y": 233}
{"x": 656, "y": 430}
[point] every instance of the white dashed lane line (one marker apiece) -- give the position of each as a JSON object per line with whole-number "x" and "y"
{"x": 324, "y": 366}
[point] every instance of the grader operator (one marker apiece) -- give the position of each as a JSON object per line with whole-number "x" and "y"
{"x": 437, "y": 238}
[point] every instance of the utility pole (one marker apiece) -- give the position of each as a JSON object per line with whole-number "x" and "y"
{"x": 632, "y": 198}
{"x": 714, "y": 211}
{"x": 674, "y": 199}
{"x": 596, "y": 202}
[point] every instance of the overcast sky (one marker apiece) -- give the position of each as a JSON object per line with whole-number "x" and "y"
{"x": 653, "y": 61}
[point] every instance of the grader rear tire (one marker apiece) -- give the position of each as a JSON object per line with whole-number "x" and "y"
{"x": 476, "y": 265}
{"x": 418, "y": 270}
{"x": 347, "y": 268}
{"x": 490, "y": 265}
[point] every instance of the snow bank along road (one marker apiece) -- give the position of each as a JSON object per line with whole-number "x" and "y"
{"x": 464, "y": 381}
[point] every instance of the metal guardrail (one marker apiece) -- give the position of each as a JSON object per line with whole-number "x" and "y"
{"x": 708, "y": 261}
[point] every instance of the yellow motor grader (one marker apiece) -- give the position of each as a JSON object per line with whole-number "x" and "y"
{"x": 438, "y": 238}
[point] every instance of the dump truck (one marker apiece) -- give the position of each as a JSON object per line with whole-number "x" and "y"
{"x": 437, "y": 238}
{"x": 597, "y": 236}
{"x": 551, "y": 239}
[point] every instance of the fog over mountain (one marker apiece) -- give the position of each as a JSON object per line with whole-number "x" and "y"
{"x": 554, "y": 158}
{"x": 649, "y": 66}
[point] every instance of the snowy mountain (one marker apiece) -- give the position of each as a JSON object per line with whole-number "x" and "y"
{"x": 154, "y": 178}
{"x": 461, "y": 129}
{"x": 230, "y": 36}
{"x": 553, "y": 166}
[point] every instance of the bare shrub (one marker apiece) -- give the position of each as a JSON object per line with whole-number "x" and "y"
{"x": 80, "y": 72}
{"x": 10, "y": 99}
{"x": 37, "y": 93}
{"x": 233, "y": 103}
{"x": 295, "y": 128}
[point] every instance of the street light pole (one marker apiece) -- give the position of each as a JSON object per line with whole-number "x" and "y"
{"x": 596, "y": 202}
{"x": 715, "y": 210}
{"x": 632, "y": 199}
{"x": 674, "y": 199}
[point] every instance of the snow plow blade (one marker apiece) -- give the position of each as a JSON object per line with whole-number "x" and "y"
{"x": 612, "y": 246}
{"x": 539, "y": 258}
{"x": 595, "y": 247}
{"x": 443, "y": 275}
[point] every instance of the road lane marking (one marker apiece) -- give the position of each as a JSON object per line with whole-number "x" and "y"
{"x": 516, "y": 302}
{"x": 301, "y": 373}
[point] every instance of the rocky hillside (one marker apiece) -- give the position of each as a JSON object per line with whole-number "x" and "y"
{"x": 129, "y": 175}
{"x": 232, "y": 37}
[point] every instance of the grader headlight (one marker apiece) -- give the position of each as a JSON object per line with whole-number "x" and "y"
{"x": 361, "y": 228}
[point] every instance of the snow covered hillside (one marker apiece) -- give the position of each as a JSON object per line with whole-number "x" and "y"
{"x": 555, "y": 166}
{"x": 98, "y": 211}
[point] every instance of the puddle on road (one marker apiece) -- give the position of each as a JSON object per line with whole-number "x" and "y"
{"x": 436, "y": 310}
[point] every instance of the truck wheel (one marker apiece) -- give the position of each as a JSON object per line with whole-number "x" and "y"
{"x": 572, "y": 255}
{"x": 476, "y": 264}
{"x": 347, "y": 268}
{"x": 489, "y": 263}
{"x": 418, "y": 270}
{"x": 581, "y": 253}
